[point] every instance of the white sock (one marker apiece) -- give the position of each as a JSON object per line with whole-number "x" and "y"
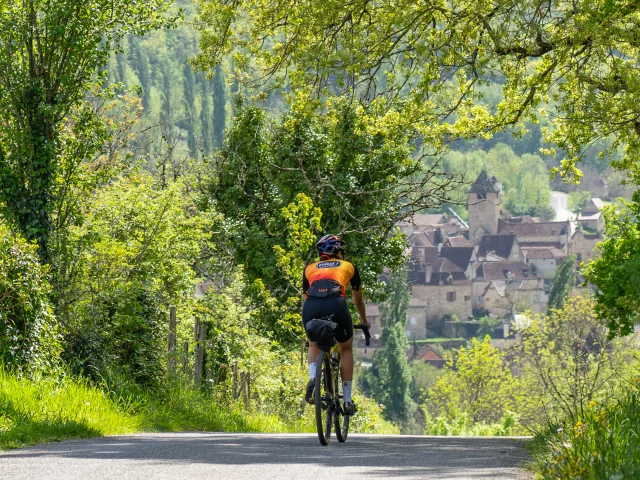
{"x": 312, "y": 371}
{"x": 346, "y": 391}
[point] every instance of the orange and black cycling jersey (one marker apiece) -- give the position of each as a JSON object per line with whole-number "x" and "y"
{"x": 329, "y": 278}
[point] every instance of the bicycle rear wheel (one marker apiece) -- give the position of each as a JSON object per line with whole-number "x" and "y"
{"x": 324, "y": 397}
{"x": 341, "y": 422}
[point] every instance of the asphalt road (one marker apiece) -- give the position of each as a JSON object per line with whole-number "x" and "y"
{"x": 560, "y": 203}
{"x": 282, "y": 457}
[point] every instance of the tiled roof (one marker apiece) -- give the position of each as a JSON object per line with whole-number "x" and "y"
{"x": 557, "y": 245}
{"x": 542, "y": 229}
{"x": 483, "y": 184}
{"x": 501, "y": 245}
{"x": 461, "y": 256}
{"x": 458, "y": 241}
{"x": 543, "y": 253}
{"x": 489, "y": 271}
{"x": 422, "y": 239}
{"x": 458, "y": 256}
{"x": 521, "y": 219}
{"x": 589, "y": 216}
{"x": 424, "y": 219}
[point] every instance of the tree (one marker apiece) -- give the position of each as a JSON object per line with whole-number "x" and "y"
{"x": 357, "y": 172}
{"x": 563, "y": 283}
{"x": 477, "y": 384}
{"x": 134, "y": 256}
{"x": 577, "y": 200}
{"x": 51, "y": 53}
{"x": 432, "y": 62}
{"x": 568, "y": 361}
{"x": 615, "y": 273}
{"x": 219, "y": 106}
{"x": 525, "y": 179}
{"x": 389, "y": 378}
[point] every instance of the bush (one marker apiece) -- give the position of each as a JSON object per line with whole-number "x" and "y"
{"x": 464, "y": 426}
{"x": 477, "y": 385}
{"x": 28, "y": 337}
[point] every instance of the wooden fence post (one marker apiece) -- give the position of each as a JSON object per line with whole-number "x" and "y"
{"x": 244, "y": 386}
{"x": 200, "y": 353}
{"x": 171, "y": 360}
{"x": 185, "y": 357}
{"x": 234, "y": 385}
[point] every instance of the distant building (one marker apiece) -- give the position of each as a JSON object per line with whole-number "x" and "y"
{"x": 545, "y": 260}
{"x": 500, "y": 248}
{"x": 583, "y": 245}
{"x": 591, "y": 217}
{"x": 540, "y": 234}
{"x": 504, "y": 288}
{"x": 483, "y": 203}
{"x": 421, "y": 222}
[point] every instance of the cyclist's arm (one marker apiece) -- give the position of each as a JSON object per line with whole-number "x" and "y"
{"x": 356, "y": 288}
{"x": 358, "y": 301}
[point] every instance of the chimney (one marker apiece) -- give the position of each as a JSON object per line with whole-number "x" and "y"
{"x": 429, "y": 271}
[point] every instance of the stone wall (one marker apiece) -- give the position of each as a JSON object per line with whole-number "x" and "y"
{"x": 483, "y": 215}
{"x": 531, "y": 297}
{"x": 437, "y": 305}
{"x": 584, "y": 246}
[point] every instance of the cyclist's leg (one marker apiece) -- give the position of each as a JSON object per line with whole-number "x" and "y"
{"x": 312, "y": 356}
{"x": 346, "y": 360}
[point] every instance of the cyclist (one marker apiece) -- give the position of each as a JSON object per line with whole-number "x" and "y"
{"x": 324, "y": 284}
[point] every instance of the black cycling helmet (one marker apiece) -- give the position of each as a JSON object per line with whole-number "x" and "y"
{"x": 330, "y": 245}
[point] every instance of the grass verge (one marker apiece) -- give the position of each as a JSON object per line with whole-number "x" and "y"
{"x": 48, "y": 409}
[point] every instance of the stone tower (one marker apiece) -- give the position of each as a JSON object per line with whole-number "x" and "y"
{"x": 483, "y": 203}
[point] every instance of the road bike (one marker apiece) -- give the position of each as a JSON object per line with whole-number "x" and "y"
{"x": 328, "y": 394}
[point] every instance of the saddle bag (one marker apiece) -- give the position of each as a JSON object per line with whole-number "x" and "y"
{"x": 322, "y": 332}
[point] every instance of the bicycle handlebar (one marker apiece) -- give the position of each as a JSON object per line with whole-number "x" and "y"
{"x": 367, "y": 335}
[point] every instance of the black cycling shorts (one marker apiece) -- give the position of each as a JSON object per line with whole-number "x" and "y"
{"x": 330, "y": 308}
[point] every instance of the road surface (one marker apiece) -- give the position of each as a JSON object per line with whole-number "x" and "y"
{"x": 259, "y": 457}
{"x": 560, "y": 203}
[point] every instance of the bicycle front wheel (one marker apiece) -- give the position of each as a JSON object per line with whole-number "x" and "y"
{"x": 324, "y": 396}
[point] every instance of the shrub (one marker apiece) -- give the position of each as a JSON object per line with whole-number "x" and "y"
{"x": 604, "y": 442}
{"x": 28, "y": 338}
{"x": 478, "y": 385}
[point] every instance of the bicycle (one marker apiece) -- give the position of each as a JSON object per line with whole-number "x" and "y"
{"x": 327, "y": 392}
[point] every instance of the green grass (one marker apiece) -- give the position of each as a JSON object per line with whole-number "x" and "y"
{"x": 603, "y": 443}
{"x": 49, "y": 409}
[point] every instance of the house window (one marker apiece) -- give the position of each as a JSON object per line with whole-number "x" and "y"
{"x": 451, "y": 296}
{"x": 477, "y": 299}
{"x": 579, "y": 255}
{"x": 482, "y": 196}
{"x": 467, "y": 298}
{"x": 412, "y": 320}
{"x": 536, "y": 298}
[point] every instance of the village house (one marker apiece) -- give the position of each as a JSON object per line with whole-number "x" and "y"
{"x": 504, "y": 288}
{"x": 590, "y": 217}
{"x": 500, "y": 248}
{"x": 439, "y": 287}
{"x": 422, "y": 222}
{"x": 538, "y": 234}
{"x": 545, "y": 260}
{"x": 583, "y": 245}
{"x": 492, "y": 265}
